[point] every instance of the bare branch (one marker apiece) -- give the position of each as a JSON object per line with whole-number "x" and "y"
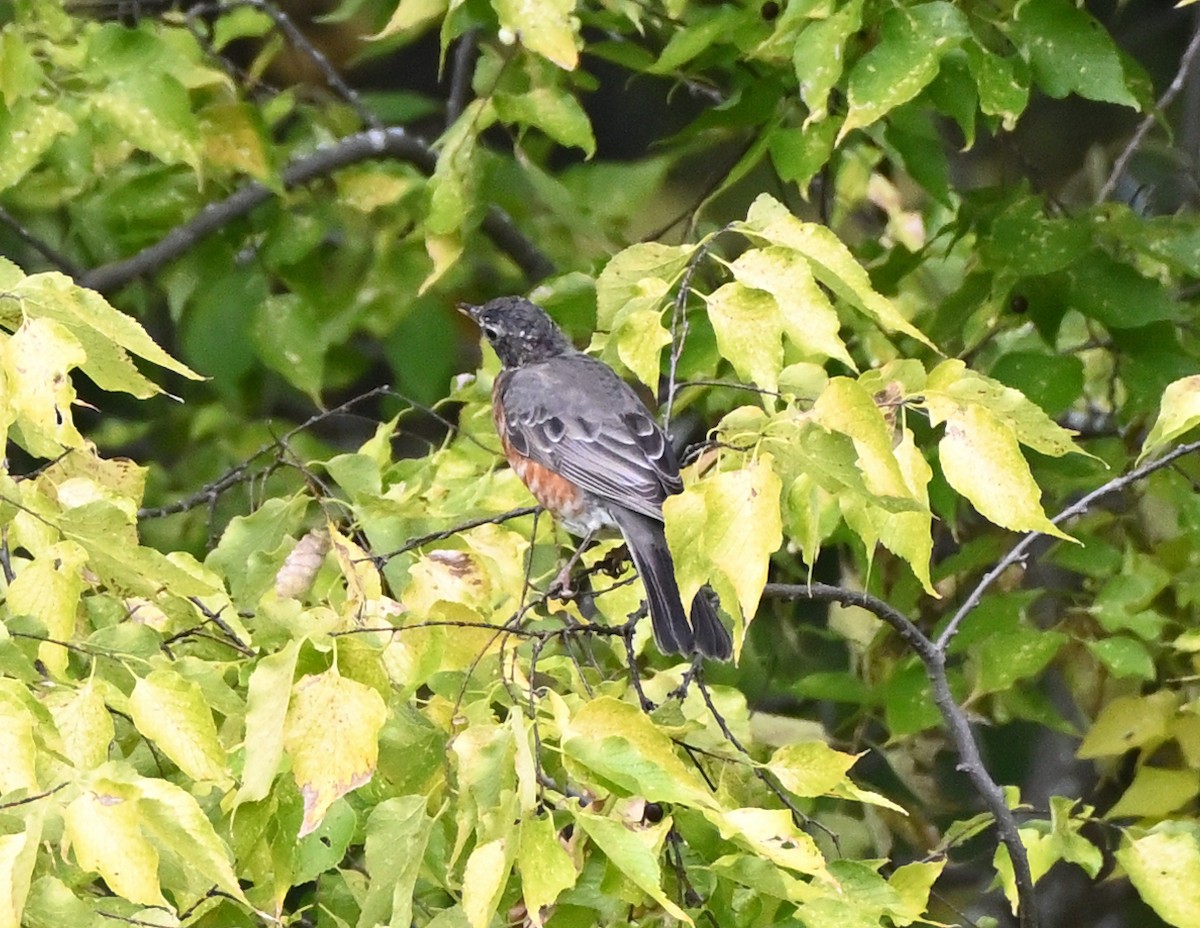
{"x": 392, "y": 142}
{"x": 970, "y": 761}
{"x": 460, "y": 74}
{"x": 1147, "y": 123}
{"x": 47, "y": 251}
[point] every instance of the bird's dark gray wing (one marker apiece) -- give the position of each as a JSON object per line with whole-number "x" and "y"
{"x": 574, "y": 415}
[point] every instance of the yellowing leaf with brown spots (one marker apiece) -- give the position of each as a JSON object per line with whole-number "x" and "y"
{"x": 331, "y": 734}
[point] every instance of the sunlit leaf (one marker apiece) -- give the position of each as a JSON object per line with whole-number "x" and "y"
{"x": 331, "y": 734}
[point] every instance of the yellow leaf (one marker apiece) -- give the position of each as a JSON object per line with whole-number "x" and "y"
{"x": 982, "y": 461}
{"x": 1179, "y": 413}
{"x": 48, "y": 589}
{"x": 726, "y": 527}
{"x": 546, "y": 27}
{"x": 18, "y": 854}
{"x": 1164, "y": 867}
{"x": 484, "y": 878}
{"x": 546, "y": 868}
{"x": 103, "y": 827}
{"x": 37, "y": 360}
{"x": 173, "y": 713}
{"x": 331, "y": 734}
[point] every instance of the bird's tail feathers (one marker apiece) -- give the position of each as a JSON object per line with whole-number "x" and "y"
{"x": 673, "y": 633}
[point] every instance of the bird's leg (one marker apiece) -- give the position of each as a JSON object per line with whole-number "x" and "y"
{"x": 561, "y": 587}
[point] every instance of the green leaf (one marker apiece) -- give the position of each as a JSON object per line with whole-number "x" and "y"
{"x": 981, "y": 460}
{"x": 799, "y": 153}
{"x": 818, "y": 56}
{"x": 27, "y": 130}
{"x": 831, "y": 262}
{"x": 620, "y": 745}
{"x": 267, "y": 696}
{"x": 1164, "y": 867}
{"x": 153, "y": 113}
{"x": 546, "y": 869}
{"x": 1156, "y": 792}
{"x": 1118, "y": 296}
{"x": 640, "y": 338}
{"x": 1003, "y": 83}
{"x": 1006, "y": 657}
{"x": 706, "y": 530}
{"x": 289, "y": 339}
{"x": 912, "y": 42}
{"x": 173, "y": 713}
{"x": 411, "y": 17}
{"x": 1178, "y": 413}
{"x": 36, "y": 363}
{"x": 48, "y": 590}
{"x": 174, "y": 821}
{"x": 634, "y": 852}
{"x": 484, "y": 878}
{"x": 772, "y": 835}
{"x": 1124, "y": 657}
{"x": 547, "y": 27}
{"x": 1025, "y": 242}
{"x": 687, "y": 41}
{"x": 331, "y": 734}
{"x": 397, "y": 831}
{"x": 1069, "y": 51}
{"x": 85, "y": 726}
{"x": 748, "y": 326}
{"x": 845, "y": 406}
{"x": 105, "y": 333}
{"x": 1051, "y": 382}
{"x": 913, "y": 883}
{"x": 18, "y": 750}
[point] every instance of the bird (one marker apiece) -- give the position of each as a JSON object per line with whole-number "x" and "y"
{"x": 593, "y": 456}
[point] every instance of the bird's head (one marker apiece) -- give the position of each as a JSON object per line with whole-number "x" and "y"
{"x": 519, "y": 330}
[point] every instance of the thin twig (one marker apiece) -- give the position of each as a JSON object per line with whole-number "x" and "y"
{"x": 802, "y": 821}
{"x": 47, "y": 251}
{"x": 679, "y": 323}
{"x": 1139, "y": 135}
{"x": 240, "y": 474}
{"x": 1021, "y": 548}
{"x": 34, "y": 798}
{"x": 301, "y": 43}
{"x": 392, "y": 142}
{"x": 442, "y": 535}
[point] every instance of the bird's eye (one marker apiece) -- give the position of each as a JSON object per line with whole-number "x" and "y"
{"x": 490, "y": 331}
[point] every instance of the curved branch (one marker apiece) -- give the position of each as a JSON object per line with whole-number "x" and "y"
{"x": 392, "y": 142}
{"x": 1147, "y": 123}
{"x": 1080, "y": 506}
{"x": 970, "y": 760}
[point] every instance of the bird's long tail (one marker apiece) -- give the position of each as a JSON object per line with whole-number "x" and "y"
{"x": 673, "y": 632}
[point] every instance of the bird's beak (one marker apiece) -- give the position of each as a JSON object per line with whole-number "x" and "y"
{"x": 471, "y": 312}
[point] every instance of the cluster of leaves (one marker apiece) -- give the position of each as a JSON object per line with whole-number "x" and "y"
{"x": 352, "y": 707}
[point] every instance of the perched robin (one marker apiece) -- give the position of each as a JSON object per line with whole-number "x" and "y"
{"x": 589, "y": 451}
